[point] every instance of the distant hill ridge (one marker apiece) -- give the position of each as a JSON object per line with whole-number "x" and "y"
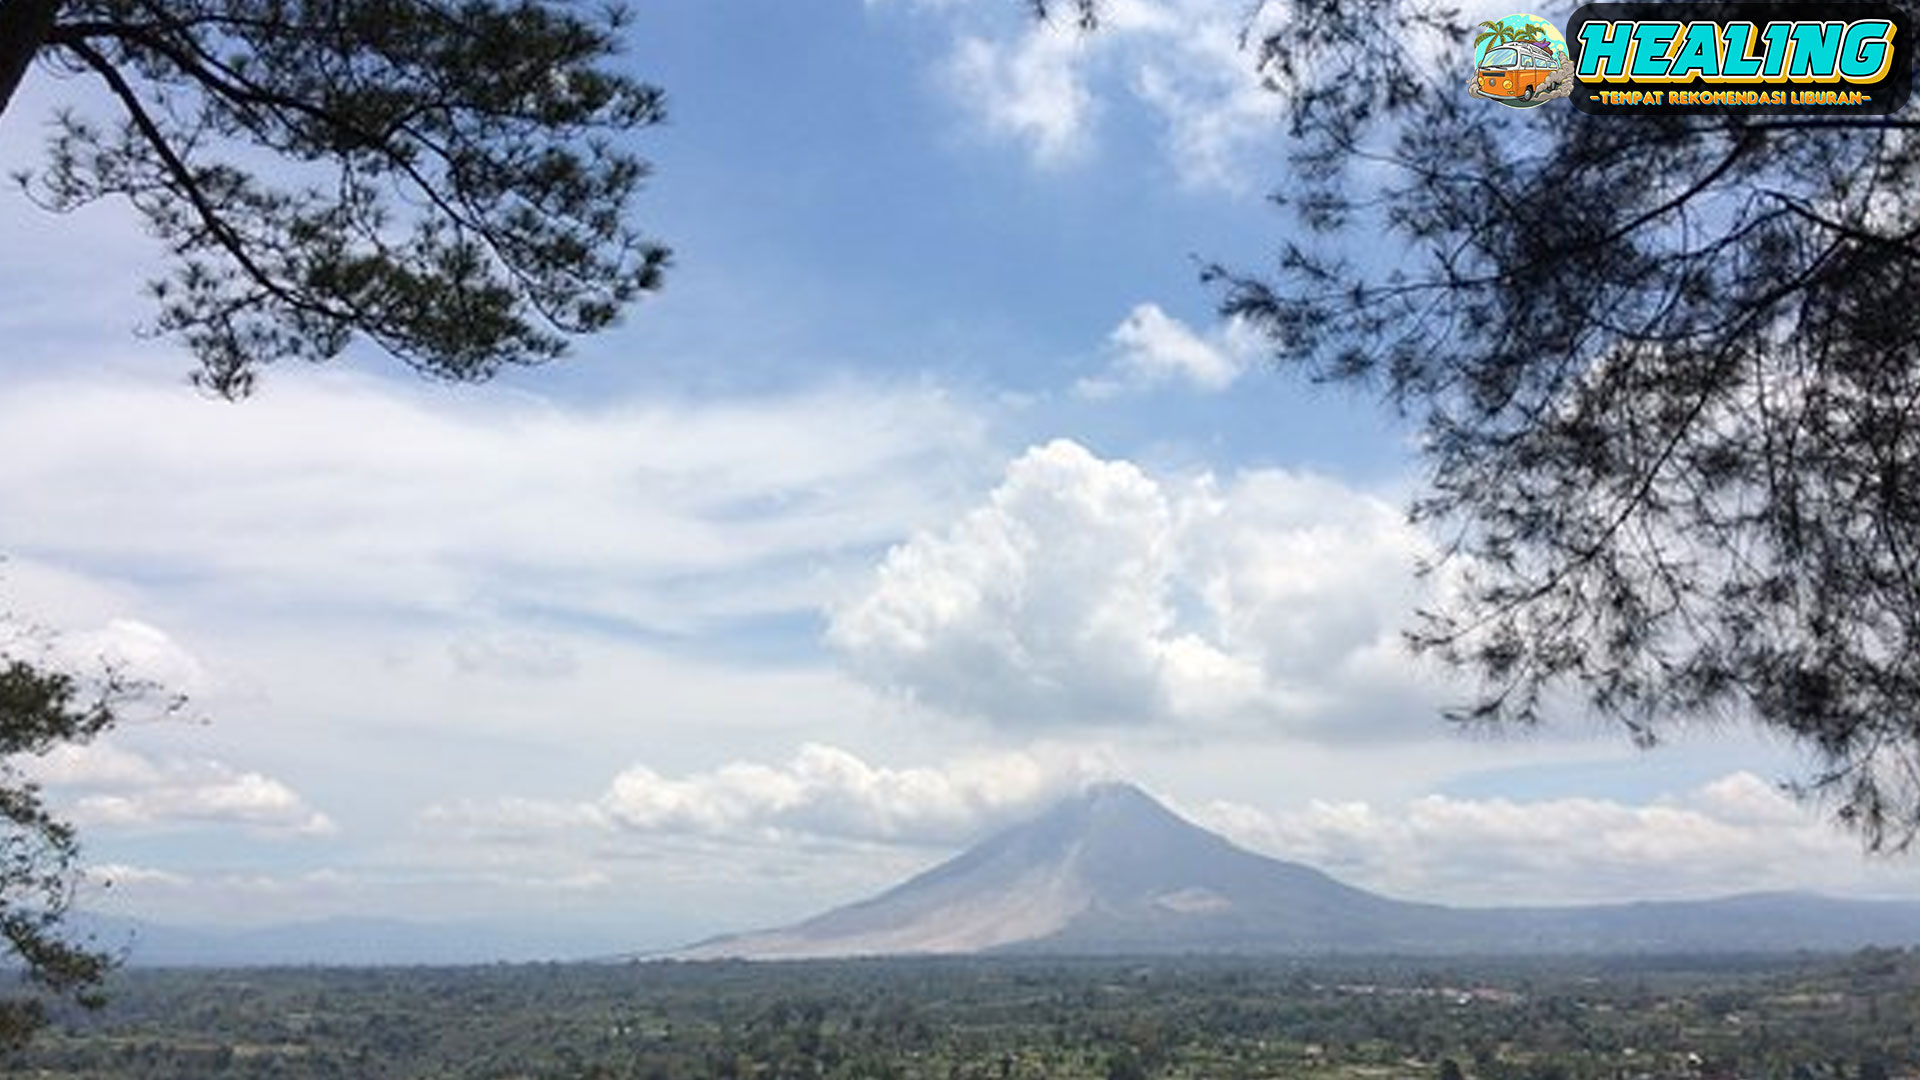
{"x": 1112, "y": 871}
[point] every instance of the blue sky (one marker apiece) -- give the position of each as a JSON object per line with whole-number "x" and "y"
{"x": 930, "y": 488}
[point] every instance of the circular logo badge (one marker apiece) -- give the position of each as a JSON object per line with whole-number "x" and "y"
{"x": 1521, "y": 61}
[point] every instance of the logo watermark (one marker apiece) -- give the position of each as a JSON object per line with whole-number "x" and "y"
{"x": 1521, "y": 61}
{"x": 1799, "y": 58}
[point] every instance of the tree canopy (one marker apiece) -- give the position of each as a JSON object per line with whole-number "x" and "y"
{"x": 1086, "y": 13}
{"x": 42, "y": 708}
{"x": 1666, "y": 374}
{"x": 441, "y": 177}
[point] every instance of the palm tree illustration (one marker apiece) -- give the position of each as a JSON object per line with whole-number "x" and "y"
{"x": 1500, "y": 34}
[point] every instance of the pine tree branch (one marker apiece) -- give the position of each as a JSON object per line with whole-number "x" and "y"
{"x": 24, "y": 27}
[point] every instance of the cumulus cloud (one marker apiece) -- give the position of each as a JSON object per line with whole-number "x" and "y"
{"x": 1151, "y": 349}
{"x": 147, "y": 667}
{"x": 216, "y": 797}
{"x": 837, "y": 813}
{"x": 1736, "y": 833}
{"x": 102, "y": 785}
{"x": 136, "y": 650}
{"x": 822, "y": 792}
{"x": 1086, "y": 591}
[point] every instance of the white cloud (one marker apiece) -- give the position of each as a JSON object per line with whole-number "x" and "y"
{"x": 135, "y": 650}
{"x": 512, "y": 819}
{"x": 1735, "y": 834}
{"x": 826, "y": 813}
{"x": 1085, "y": 591}
{"x": 1183, "y": 61}
{"x": 1204, "y": 82}
{"x": 244, "y": 799}
{"x": 123, "y": 875}
{"x": 822, "y": 792}
{"x": 514, "y": 655}
{"x": 1033, "y": 89}
{"x": 94, "y": 765}
{"x": 1745, "y": 799}
{"x": 654, "y": 512}
{"x": 1151, "y": 349}
{"x": 102, "y": 785}
{"x": 138, "y": 667}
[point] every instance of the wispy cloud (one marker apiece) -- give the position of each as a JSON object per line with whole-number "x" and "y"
{"x": 1185, "y": 63}
{"x": 1033, "y": 89}
{"x": 336, "y": 492}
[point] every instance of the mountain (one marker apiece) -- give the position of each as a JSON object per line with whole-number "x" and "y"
{"x": 1111, "y": 871}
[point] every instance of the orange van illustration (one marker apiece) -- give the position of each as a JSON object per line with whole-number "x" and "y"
{"x": 1516, "y": 70}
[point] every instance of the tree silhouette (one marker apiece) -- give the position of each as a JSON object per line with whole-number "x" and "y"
{"x": 1086, "y": 13}
{"x": 437, "y": 177}
{"x": 440, "y": 178}
{"x": 42, "y": 708}
{"x": 1666, "y": 374}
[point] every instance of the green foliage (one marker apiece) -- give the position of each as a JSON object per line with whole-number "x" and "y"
{"x": 441, "y": 178}
{"x": 1499, "y": 33}
{"x": 1124, "y": 1064}
{"x": 1666, "y": 374}
{"x": 997, "y": 1020}
{"x": 42, "y": 708}
{"x": 1086, "y": 13}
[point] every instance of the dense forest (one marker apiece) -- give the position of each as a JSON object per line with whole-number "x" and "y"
{"x": 1810, "y": 1018}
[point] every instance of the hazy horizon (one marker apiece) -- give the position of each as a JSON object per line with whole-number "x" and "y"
{"x": 929, "y": 489}
{"x": 361, "y": 941}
